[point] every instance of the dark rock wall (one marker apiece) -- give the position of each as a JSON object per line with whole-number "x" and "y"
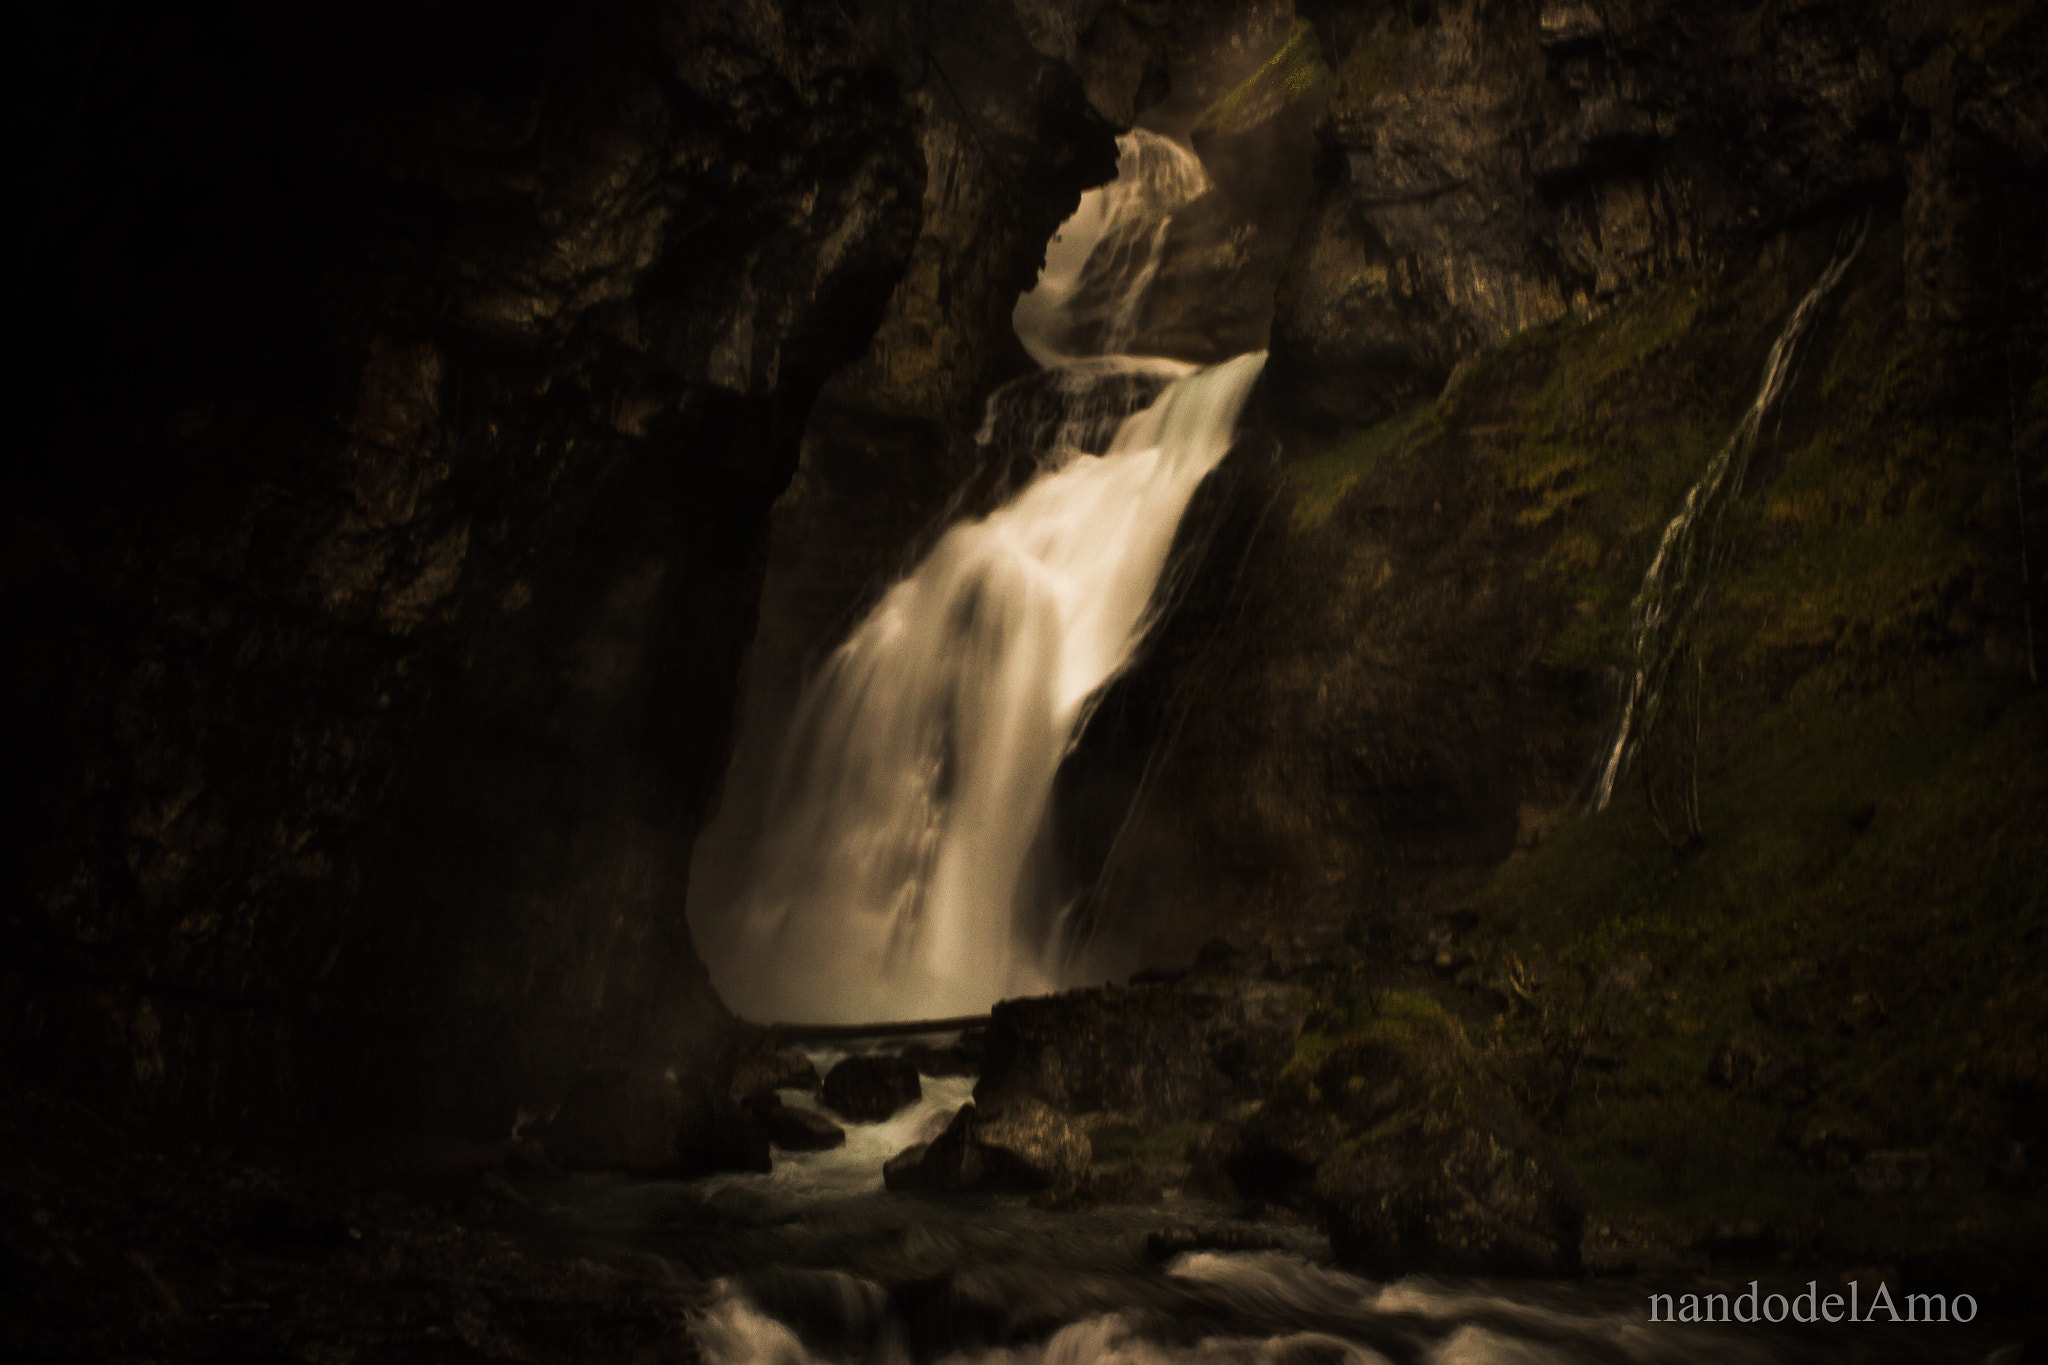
{"x": 1491, "y": 167}
{"x": 409, "y": 393}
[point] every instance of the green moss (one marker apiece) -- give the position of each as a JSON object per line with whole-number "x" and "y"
{"x": 1292, "y": 73}
{"x": 1889, "y": 844}
{"x": 1342, "y": 1017}
{"x": 1321, "y": 483}
{"x": 1368, "y": 70}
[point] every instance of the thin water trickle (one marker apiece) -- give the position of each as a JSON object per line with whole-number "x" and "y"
{"x": 900, "y": 873}
{"x": 1673, "y": 585}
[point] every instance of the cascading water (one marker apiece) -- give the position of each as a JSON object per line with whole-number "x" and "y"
{"x": 1671, "y": 591}
{"x": 898, "y": 875}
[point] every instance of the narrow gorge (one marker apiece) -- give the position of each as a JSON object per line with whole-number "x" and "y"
{"x": 1027, "y": 680}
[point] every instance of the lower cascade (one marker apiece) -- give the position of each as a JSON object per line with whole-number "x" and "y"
{"x": 899, "y": 874}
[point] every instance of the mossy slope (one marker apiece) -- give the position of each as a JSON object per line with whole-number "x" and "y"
{"x": 1795, "y": 972}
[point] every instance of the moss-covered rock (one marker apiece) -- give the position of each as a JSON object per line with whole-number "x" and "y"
{"x": 1145, "y": 1055}
{"x": 1387, "y": 1123}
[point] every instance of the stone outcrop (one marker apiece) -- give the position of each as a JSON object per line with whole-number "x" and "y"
{"x": 1387, "y": 1125}
{"x": 762, "y": 1068}
{"x": 868, "y": 1089}
{"x": 1020, "y": 1145}
{"x": 1146, "y": 1054}
{"x": 792, "y": 1128}
{"x": 956, "y": 1059}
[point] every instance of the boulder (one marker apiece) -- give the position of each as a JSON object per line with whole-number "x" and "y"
{"x": 791, "y": 1128}
{"x": 870, "y": 1089}
{"x": 1149, "y": 1054}
{"x": 953, "y": 1060}
{"x": 1387, "y": 1124}
{"x": 1025, "y": 1146}
{"x": 761, "y": 1068}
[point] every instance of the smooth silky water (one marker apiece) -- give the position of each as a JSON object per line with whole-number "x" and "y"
{"x": 902, "y": 870}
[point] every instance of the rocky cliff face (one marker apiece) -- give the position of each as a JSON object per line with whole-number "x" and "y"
{"x": 412, "y": 390}
{"x": 1495, "y": 167}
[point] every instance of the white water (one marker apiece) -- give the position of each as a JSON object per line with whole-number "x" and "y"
{"x": 1670, "y": 592}
{"x": 854, "y": 1167}
{"x": 1284, "y": 1310}
{"x": 898, "y": 875}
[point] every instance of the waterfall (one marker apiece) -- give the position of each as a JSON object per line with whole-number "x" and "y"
{"x": 1671, "y": 592}
{"x": 899, "y": 874}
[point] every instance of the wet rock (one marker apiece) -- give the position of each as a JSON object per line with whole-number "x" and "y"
{"x": 1124, "y": 1182}
{"x": 1025, "y": 1146}
{"x": 870, "y": 1089}
{"x": 952, "y": 1060}
{"x": 1147, "y": 1054}
{"x": 763, "y": 1068}
{"x": 908, "y": 1169}
{"x": 1034, "y": 1144}
{"x": 794, "y": 1129}
{"x": 1390, "y": 1128}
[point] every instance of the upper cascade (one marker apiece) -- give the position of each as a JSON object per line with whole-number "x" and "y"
{"x": 903, "y": 868}
{"x": 1100, "y": 265}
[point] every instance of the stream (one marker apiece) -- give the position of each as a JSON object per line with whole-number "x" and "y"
{"x": 815, "y": 1262}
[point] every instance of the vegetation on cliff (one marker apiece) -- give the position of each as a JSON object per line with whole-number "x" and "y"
{"x": 1795, "y": 972}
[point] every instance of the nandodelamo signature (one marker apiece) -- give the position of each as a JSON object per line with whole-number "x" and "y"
{"x": 1812, "y": 1306}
